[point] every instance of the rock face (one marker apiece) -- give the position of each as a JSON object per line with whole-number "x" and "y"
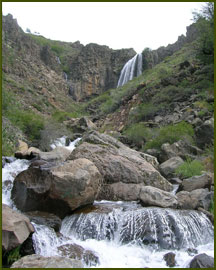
{"x": 202, "y": 261}
{"x": 38, "y": 261}
{"x": 151, "y": 196}
{"x": 57, "y": 190}
{"x": 205, "y": 133}
{"x": 118, "y": 165}
{"x": 16, "y": 228}
{"x": 80, "y": 125}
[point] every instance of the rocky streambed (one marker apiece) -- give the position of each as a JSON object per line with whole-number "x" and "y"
{"x": 102, "y": 204}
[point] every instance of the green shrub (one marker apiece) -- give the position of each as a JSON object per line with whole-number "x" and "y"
{"x": 138, "y": 133}
{"x": 170, "y": 134}
{"x": 189, "y": 168}
{"x": 211, "y": 207}
{"x": 13, "y": 255}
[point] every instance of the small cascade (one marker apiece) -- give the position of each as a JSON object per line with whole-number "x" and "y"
{"x": 156, "y": 227}
{"x": 131, "y": 69}
{"x": 63, "y": 142}
{"x": 58, "y": 60}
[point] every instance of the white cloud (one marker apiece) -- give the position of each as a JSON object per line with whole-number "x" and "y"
{"x": 115, "y": 24}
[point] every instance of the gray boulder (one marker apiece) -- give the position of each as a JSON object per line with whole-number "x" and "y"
{"x": 151, "y": 196}
{"x": 58, "y": 190}
{"x": 80, "y": 125}
{"x": 194, "y": 199}
{"x": 38, "y": 261}
{"x": 16, "y": 228}
{"x": 168, "y": 167}
{"x": 118, "y": 163}
{"x": 202, "y": 261}
{"x": 196, "y": 182}
{"x": 59, "y": 154}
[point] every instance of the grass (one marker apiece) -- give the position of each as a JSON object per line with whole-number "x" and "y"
{"x": 190, "y": 168}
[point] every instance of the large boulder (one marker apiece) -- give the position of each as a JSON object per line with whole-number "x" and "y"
{"x": 58, "y": 190}
{"x": 196, "y": 182}
{"x": 59, "y": 154}
{"x": 168, "y": 167}
{"x": 118, "y": 163}
{"x": 202, "y": 261}
{"x": 151, "y": 196}
{"x": 16, "y": 228}
{"x": 74, "y": 251}
{"x": 38, "y": 261}
{"x": 194, "y": 199}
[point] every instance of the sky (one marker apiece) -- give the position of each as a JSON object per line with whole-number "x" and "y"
{"x": 116, "y": 24}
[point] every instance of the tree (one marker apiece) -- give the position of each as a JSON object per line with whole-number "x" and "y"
{"x": 204, "y": 20}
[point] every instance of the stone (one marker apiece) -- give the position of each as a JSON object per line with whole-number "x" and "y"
{"x": 168, "y": 167}
{"x": 38, "y": 261}
{"x": 74, "y": 251}
{"x": 16, "y": 228}
{"x": 169, "y": 258}
{"x": 192, "y": 251}
{"x": 118, "y": 163}
{"x": 205, "y": 133}
{"x": 151, "y": 196}
{"x": 21, "y": 149}
{"x": 196, "y": 182}
{"x": 202, "y": 261}
{"x": 44, "y": 218}
{"x": 80, "y": 125}
{"x": 175, "y": 181}
{"x": 194, "y": 199}
{"x": 58, "y": 190}
{"x": 58, "y": 154}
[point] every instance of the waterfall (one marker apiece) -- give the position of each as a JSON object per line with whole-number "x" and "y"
{"x": 131, "y": 69}
{"x": 155, "y": 227}
{"x": 65, "y": 76}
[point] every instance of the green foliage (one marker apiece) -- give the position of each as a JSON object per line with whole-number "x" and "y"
{"x": 211, "y": 207}
{"x": 27, "y": 121}
{"x": 205, "y": 25}
{"x": 139, "y": 133}
{"x": 189, "y": 168}
{"x": 170, "y": 134}
{"x": 13, "y": 255}
{"x": 8, "y": 143}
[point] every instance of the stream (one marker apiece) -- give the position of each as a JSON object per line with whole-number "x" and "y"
{"x": 121, "y": 234}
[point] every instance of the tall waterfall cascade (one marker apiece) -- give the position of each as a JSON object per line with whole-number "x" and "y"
{"x": 133, "y": 68}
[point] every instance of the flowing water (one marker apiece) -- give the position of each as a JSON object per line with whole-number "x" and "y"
{"x": 121, "y": 234}
{"x": 131, "y": 69}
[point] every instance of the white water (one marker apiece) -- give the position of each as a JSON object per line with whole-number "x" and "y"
{"x": 65, "y": 76}
{"x": 62, "y": 142}
{"x": 131, "y": 69}
{"x": 114, "y": 236}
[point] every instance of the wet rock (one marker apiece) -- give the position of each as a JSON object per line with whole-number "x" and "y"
{"x": 207, "y": 213}
{"x": 169, "y": 258}
{"x": 74, "y": 251}
{"x": 6, "y": 160}
{"x": 168, "y": 167}
{"x": 194, "y": 199}
{"x": 192, "y": 251}
{"x": 175, "y": 181}
{"x": 38, "y": 261}
{"x": 202, "y": 261}
{"x": 44, "y": 218}
{"x": 57, "y": 190}
{"x": 118, "y": 163}
{"x": 151, "y": 196}
{"x": 196, "y": 182}
{"x": 16, "y": 228}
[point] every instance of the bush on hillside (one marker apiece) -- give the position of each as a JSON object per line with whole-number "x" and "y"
{"x": 189, "y": 168}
